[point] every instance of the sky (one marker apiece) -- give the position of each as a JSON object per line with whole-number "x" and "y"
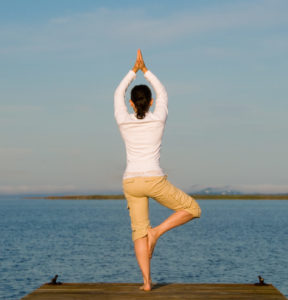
{"x": 224, "y": 64}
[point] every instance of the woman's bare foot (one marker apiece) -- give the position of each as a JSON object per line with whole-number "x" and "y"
{"x": 146, "y": 286}
{"x": 152, "y": 240}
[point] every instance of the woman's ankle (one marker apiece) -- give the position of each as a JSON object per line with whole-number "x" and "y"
{"x": 147, "y": 280}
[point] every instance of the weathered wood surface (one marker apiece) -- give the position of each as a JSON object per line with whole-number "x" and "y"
{"x": 127, "y": 291}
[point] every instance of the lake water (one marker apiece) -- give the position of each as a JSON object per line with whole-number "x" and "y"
{"x": 89, "y": 241}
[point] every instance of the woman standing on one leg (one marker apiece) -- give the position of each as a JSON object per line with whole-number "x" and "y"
{"x": 143, "y": 178}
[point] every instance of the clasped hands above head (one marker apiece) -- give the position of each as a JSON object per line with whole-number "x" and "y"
{"x": 139, "y": 64}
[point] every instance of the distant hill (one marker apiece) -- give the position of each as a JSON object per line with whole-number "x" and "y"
{"x": 216, "y": 191}
{"x": 241, "y": 189}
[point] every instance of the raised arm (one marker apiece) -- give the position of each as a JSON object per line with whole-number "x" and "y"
{"x": 161, "y": 105}
{"x": 120, "y": 108}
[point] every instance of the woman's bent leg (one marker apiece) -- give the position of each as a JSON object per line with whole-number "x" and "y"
{"x": 176, "y": 219}
{"x": 186, "y": 208}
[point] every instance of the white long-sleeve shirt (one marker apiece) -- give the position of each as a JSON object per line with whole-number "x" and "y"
{"x": 142, "y": 137}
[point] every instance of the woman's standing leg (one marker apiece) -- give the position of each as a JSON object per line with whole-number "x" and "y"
{"x": 143, "y": 259}
{"x": 138, "y": 206}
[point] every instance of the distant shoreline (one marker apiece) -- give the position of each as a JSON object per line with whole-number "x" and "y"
{"x": 196, "y": 196}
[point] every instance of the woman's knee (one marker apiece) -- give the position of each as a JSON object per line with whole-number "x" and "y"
{"x": 194, "y": 211}
{"x": 139, "y": 232}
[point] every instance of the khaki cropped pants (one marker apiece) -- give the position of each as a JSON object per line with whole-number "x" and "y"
{"x": 138, "y": 190}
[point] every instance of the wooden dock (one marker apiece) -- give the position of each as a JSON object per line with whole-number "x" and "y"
{"x": 127, "y": 291}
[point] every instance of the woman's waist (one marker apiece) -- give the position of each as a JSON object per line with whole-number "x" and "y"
{"x": 145, "y": 172}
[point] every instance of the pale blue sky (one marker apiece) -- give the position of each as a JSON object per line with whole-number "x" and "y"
{"x": 224, "y": 64}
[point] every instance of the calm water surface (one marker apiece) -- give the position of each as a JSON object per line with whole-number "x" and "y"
{"x": 89, "y": 241}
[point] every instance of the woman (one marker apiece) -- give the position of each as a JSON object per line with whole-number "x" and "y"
{"x": 143, "y": 178}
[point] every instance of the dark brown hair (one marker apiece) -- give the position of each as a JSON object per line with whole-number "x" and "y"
{"x": 141, "y": 97}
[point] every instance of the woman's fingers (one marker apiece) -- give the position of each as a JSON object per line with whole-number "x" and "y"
{"x": 139, "y": 55}
{"x": 136, "y": 65}
{"x": 139, "y": 64}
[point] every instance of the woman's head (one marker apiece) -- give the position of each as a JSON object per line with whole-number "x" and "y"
{"x": 141, "y": 99}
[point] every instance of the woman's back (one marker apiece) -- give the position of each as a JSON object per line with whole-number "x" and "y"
{"x": 143, "y": 143}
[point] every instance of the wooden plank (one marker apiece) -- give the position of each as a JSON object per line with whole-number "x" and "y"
{"x": 165, "y": 291}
